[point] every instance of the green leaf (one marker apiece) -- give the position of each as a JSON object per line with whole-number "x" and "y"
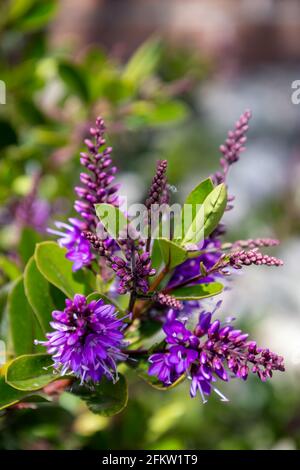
{"x": 156, "y": 256}
{"x": 4, "y": 291}
{"x": 106, "y": 398}
{"x": 36, "y": 16}
{"x": 37, "y": 290}
{"x": 74, "y": 79}
{"x": 30, "y": 372}
{"x": 214, "y": 207}
{"x": 105, "y": 298}
{"x": 8, "y": 395}
{"x": 112, "y": 218}
{"x": 143, "y": 62}
{"x": 144, "y": 113}
{"x": 200, "y": 291}
{"x": 200, "y": 192}
{"x": 172, "y": 254}
{"x": 21, "y": 320}
{"x": 10, "y": 269}
{"x": 28, "y": 241}
{"x": 142, "y": 371}
{"x": 19, "y": 8}
{"x": 205, "y": 216}
{"x": 54, "y": 266}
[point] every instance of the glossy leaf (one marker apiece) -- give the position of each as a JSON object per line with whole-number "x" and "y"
{"x": 205, "y": 216}
{"x": 37, "y": 290}
{"x": 30, "y": 372}
{"x": 8, "y": 395}
{"x": 214, "y": 207}
{"x": 199, "y": 291}
{"x": 156, "y": 256}
{"x": 106, "y": 398}
{"x": 200, "y": 192}
{"x": 172, "y": 254}
{"x": 54, "y": 266}
{"x": 28, "y": 241}
{"x": 21, "y": 320}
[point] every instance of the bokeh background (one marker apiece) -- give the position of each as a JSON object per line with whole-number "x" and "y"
{"x": 170, "y": 78}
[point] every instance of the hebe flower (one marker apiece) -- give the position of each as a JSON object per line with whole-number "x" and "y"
{"x": 158, "y": 193}
{"x": 96, "y": 187}
{"x": 133, "y": 274}
{"x": 212, "y": 351}
{"x": 233, "y": 146}
{"x": 246, "y": 258}
{"x": 87, "y": 339}
{"x": 70, "y": 237}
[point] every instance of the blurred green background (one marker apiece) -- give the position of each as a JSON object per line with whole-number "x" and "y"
{"x": 170, "y": 80}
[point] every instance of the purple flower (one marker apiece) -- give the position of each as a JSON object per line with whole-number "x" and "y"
{"x": 133, "y": 274}
{"x": 210, "y": 353}
{"x": 87, "y": 340}
{"x": 233, "y": 146}
{"x": 78, "y": 247}
{"x": 176, "y": 332}
{"x": 96, "y": 188}
{"x": 97, "y": 184}
{"x": 181, "y": 358}
{"x": 162, "y": 368}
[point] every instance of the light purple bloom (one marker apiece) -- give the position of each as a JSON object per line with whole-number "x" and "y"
{"x": 162, "y": 368}
{"x": 87, "y": 340}
{"x": 78, "y": 247}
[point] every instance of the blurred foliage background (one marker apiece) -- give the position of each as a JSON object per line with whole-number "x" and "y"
{"x": 169, "y": 82}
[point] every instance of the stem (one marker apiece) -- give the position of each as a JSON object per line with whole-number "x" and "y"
{"x": 213, "y": 269}
{"x": 148, "y": 243}
{"x": 131, "y": 301}
{"x": 159, "y": 278}
{"x": 133, "y": 293}
{"x": 139, "y": 308}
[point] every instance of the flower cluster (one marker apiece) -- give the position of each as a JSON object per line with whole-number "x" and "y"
{"x": 233, "y": 146}
{"x": 168, "y": 300}
{"x": 87, "y": 341}
{"x": 246, "y": 258}
{"x": 212, "y": 351}
{"x": 96, "y": 188}
{"x": 97, "y": 185}
{"x": 158, "y": 192}
{"x": 133, "y": 273}
{"x": 256, "y": 243}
